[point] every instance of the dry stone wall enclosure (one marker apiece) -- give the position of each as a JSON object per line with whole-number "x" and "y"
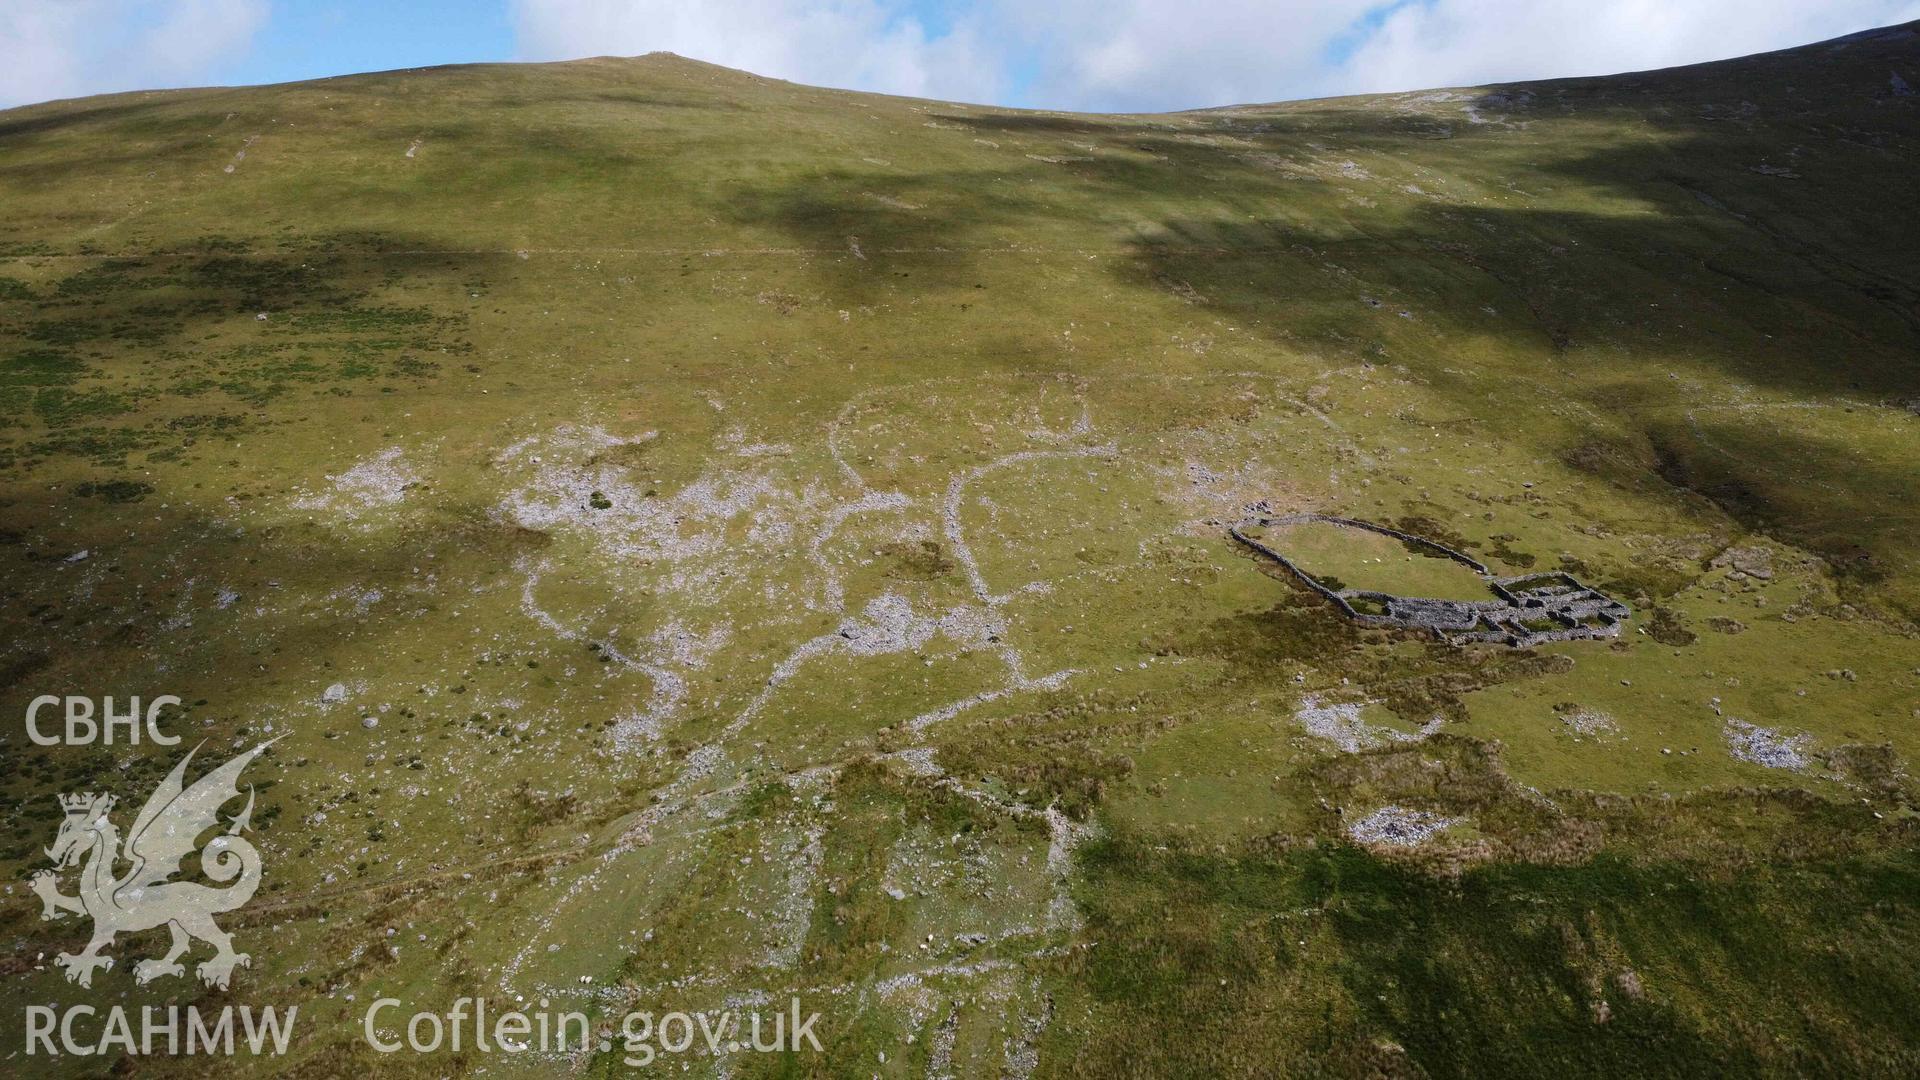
{"x": 1527, "y": 610}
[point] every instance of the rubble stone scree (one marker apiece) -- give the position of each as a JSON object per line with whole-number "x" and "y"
{"x": 1530, "y": 609}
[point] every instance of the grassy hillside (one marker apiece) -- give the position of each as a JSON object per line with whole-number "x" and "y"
{"x": 714, "y": 537}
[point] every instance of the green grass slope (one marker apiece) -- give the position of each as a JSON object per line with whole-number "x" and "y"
{"x": 714, "y": 537}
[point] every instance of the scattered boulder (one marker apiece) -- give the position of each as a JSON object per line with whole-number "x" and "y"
{"x": 1754, "y": 561}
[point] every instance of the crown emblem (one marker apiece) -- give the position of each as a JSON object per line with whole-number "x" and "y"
{"x": 81, "y": 803}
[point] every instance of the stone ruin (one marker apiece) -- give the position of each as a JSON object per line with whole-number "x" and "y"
{"x": 1530, "y": 609}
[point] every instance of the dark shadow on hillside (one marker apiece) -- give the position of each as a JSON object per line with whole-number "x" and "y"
{"x": 1278, "y": 123}
{"x": 1686, "y": 291}
{"x": 1620, "y": 312}
{"x": 59, "y": 116}
{"x": 1076, "y": 168}
{"x": 881, "y": 232}
{"x": 1710, "y": 229}
{"x": 217, "y": 333}
{"x": 646, "y": 101}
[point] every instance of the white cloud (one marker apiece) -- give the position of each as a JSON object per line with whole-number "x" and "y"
{"x": 1468, "y": 42}
{"x": 1170, "y": 54}
{"x": 1123, "y": 55}
{"x": 66, "y": 48}
{"x": 854, "y": 44}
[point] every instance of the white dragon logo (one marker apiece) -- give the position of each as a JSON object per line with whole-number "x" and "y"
{"x": 143, "y": 898}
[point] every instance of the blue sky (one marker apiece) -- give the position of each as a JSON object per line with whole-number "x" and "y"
{"x": 1108, "y": 55}
{"x": 330, "y": 37}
